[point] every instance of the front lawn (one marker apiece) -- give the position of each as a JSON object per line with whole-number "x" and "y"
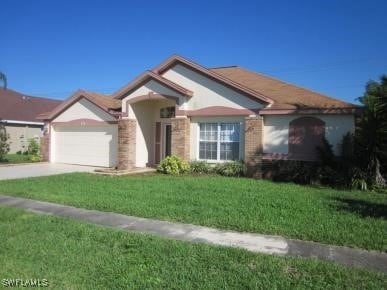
{"x": 16, "y": 158}
{"x": 75, "y": 255}
{"x": 330, "y": 216}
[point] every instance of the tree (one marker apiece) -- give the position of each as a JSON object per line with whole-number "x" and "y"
{"x": 4, "y": 145}
{"x": 371, "y": 131}
{"x": 3, "y": 78}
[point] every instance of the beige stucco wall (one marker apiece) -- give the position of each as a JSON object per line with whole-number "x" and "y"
{"x": 207, "y": 92}
{"x": 20, "y": 134}
{"x": 194, "y": 132}
{"x": 276, "y": 130}
{"x": 83, "y": 109}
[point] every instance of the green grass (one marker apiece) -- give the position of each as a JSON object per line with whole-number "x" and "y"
{"x": 16, "y": 158}
{"x": 330, "y": 216}
{"x": 75, "y": 255}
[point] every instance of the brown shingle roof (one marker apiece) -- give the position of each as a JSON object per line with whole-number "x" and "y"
{"x": 285, "y": 96}
{"x": 19, "y": 107}
{"x": 103, "y": 100}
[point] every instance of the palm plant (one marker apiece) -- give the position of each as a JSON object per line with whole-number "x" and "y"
{"x": 371, "y": 132}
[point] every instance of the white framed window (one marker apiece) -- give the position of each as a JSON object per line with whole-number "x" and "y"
{"x": 219, "y": 141}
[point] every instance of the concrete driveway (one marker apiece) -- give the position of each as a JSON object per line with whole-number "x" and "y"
{"x": 40, "y": 169}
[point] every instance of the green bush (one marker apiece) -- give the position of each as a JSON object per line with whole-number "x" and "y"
{"x": 234, "y": 168}
{"x": 33, "y": 147}
{"x": 173, "y": 165}
{"x": 301, "y": 172}
{"x": 200, "y": 167}
{"x": 35, "y": 158}
{"x": 4, "y": 144}
{"x": 325, "y": 154}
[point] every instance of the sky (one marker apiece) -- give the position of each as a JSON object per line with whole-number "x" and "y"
{"x": 52, "y": 48}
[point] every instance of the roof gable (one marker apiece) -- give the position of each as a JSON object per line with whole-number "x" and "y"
{"x": 145, "y": 78}
{"x": 208, "y": 92}
{"x": 105, "y": 103}
{"x": 152, "y": 87}
{"x": 83, "y": 108}
{"x": 176, "y": 59}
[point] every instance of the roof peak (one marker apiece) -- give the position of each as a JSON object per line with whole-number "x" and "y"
{"x": 148, "y": 74}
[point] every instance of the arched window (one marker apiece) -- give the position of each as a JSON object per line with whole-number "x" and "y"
{"x": 305, "y": 134}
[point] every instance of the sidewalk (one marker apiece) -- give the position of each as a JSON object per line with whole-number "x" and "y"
{"x": 252, "y": 242}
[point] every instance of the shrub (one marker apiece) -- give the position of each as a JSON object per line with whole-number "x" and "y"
{"x": 329, "y": 169}
{"x": 173, "y": 165}
{"x": 234, "y": 168}
{"x": 295, "y": 171}
{"x": 346, "y": 148}
{"x": 4, "y": 145}
{"x": 35, "y": 158}
{"x": 325, "y": 154}
{"x": 331, "y": 176}
{"x": 33, "y": 147}
{"x": 200, "y": 167}
{"x": 337, "y": 171}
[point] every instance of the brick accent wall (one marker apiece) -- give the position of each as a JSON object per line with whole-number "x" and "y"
{"x": 181, "y": 137}
{"x": 45, "y": 144}
{"x": 253, "y": 146}
{"x": 126, "y": 143}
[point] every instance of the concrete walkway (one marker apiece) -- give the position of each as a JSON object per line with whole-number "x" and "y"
{"x": 40, "y": 169}
{"x": 186, "y": 232}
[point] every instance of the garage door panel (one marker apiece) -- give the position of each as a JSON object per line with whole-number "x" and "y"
{"x": 95, "y": 146}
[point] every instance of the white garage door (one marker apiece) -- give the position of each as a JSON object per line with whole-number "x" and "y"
{"x": 88, "y": 145}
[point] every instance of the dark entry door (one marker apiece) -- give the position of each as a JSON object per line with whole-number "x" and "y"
{"x": 158, "y": 143}
{"x": 168, "y": 140}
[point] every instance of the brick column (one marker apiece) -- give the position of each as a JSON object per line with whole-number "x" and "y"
{"x": 126, "y": 143}
{"x": 180, "y": 137}
{"x": 253, "y": 146}
{"x": 45, "y": 144}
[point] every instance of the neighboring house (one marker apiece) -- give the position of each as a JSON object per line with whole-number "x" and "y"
{"x": 18, "y": 113}
{"x": 185, "y": 109}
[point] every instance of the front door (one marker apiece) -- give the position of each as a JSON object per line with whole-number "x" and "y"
{"x": 163, "y": 141}
{"x": 167, "y": 140}
{"x": 158, "y": 143}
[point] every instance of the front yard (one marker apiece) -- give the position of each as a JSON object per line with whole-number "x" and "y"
{"x": 75, "y": 255}
{"x": 355, "y": 219}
